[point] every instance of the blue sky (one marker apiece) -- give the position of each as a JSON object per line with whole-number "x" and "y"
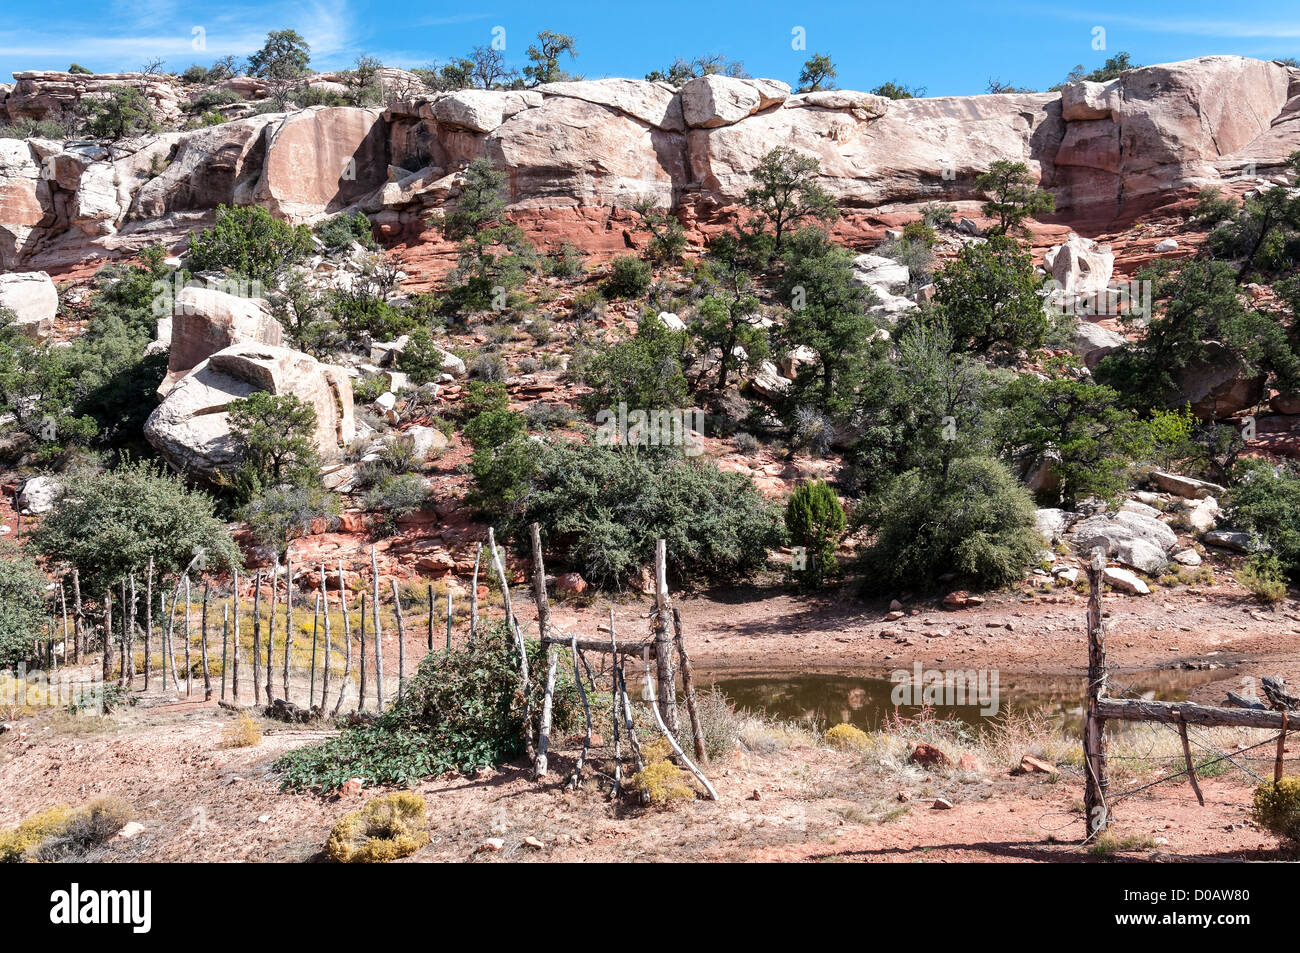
{"x": 950, "y": 48}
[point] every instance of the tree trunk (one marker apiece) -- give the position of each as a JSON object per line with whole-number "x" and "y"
{"x": 315, "y": 629}
{"x": 270, "y": 641}
{"x": 688, "y": 686}
{"x": 108, "y": 636}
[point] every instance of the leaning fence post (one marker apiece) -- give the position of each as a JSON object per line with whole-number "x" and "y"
{"x": 257, "y": 636}
{"x": 1096, "y": 782}
{"x": 315, "y": 628}
{"x": 288, "y": 621}
{"x": 543, "y": 632}
{"x": 688, "y": 687}
{"x": 148, "y": 625}
{"x": 347, "y": 641}
{"x": 329, "y": 648}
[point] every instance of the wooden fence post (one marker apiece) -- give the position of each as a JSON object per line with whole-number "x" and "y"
{"x": 315, "y": 628}
{"x": 121, "y": 638}
{"x": 108, "y": 635}
{"x": 234, "y": 645}
{"x": 257, "y": 636}
{"x": 512, "y": 627}
{"x": 329, "y": 648}
{"x": 361, "y": 655}
{"x": 473, "y": 595}
{"x": 543, "y": 632}
{"x": 663, "y": 642}
{"x": 270, "y": 640}
{"x": 189, "y": 667}
{"x": 288, "y": 621}
{"x": 1096, "y": 782}
{"x": 347, "y": 641}
{"x": 130, "y": 638}
{"x": 78, "y": 621}
{"x": 688, "y": 688}
{"x": 148, "y": 625}
{"x": 430, "y": 646}
{"x": 401, "y": 639}
{"x": 203, "y": 649}
{"x": 379, "y": 632}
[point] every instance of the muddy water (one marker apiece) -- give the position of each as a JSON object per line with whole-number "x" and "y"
{"x": 867, "y": 701}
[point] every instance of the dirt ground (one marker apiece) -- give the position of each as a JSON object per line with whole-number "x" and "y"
{"x": 200, "y": 801}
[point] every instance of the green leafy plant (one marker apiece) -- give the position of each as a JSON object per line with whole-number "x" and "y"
{"x": 249, "y": 242}
{"x": 815, "y": 520}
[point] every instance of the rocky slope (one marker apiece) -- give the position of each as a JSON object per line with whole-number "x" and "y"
{"x": 578, "y": 153}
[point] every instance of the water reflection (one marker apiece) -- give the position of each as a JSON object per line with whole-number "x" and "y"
{"x": 863, "y": 701}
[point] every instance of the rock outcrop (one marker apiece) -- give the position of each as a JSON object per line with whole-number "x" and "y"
{"x": 205, "y": 321}
{"x": 190, "y": 429}
{"x": 34, "y": 301}
{"x": 577, "y": 154}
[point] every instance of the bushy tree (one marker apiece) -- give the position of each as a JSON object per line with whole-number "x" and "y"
{"x": 125, "y": 113}
{"x": 815, "y": 520}
{"x": 922, "y": 410}
{"x": 282, "y": 61}
{"x": 275, "y": 437}
{"x": 818, "y": 73}
{"x": 643, "y": 371}
{"x": 22, "y": 605}
{"x": 1093, "y": 441}
{"x": 249, "y": 242}
{"x": 108, "y": 525}
{"x": 989, "y": 296}
{"x": 683, "y": 70}
{"x": 1013, "y": 195}
{"x": 494, "y": 254}
{"x": 281, "y": 513}
{"x": 828, "y": 315}
{"x": 667, "y": 237}
{"x": 544, "y": 56}
{"x": 786, "y": 193}
{"x": 628, "y": 277}
{"x": 338, "y": 233}
{"x": 896, "y": 90}
{"x": 1202, "y": 312}
{"x": 974, "y": 523}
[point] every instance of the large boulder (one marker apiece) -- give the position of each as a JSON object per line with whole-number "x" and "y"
{"x": 1080, "y": 265}
{"x": 23, "y": 197}
{"x": 1218, "y": 386}
{"x": 206, "y": 320}
{"x": 190, "y": 429}
{"x": 39, "y": 494}
{"x": 709, "y": 101}
{"x": 482, "y": 110}
{"x": 1134, "y": 539}
{"x": 33, "y": 299}
{"x": 654, "y": 103}
{"x": 1092, "y": 342}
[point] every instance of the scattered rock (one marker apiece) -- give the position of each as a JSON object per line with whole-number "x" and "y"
{"x": 1125, "y": 581}
{"x": 941, "y": 804}
{"x": 39, "y": 494}
{"x": 1185, "y": 486}
{"x": 1230, "y": 539}
{"x": 352, "y": 787}
{"x": 961, "y": 599}
{"x": 33, "y": 299}
{"x": 1030, "y": 765}
{"x": 491, "y": 845}
{"x": 928, "y": 756}
{"x": 571, "y": 583}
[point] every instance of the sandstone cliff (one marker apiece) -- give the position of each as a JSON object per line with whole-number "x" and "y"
{"x": 579, "y": 152}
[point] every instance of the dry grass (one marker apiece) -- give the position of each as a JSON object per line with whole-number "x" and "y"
{"x": 243, "y": 732}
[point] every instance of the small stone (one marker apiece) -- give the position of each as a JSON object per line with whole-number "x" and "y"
{"x": 534, "y": 843}
{"x": 264, "y": 818}
{"x": 941, "y": 804}
{"x": 755, "y": 796}
{"x": 352, "y": 787}
{"x": 491, "y": 845}
{"x": 1029, "y": 765}
{"x": 132, "y": 829}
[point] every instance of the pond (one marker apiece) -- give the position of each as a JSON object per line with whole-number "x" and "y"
{"x": 866, "y": 701}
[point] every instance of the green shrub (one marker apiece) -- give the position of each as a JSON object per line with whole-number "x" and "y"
{"x": 1262, "y": 575}
{"x": 815, "y": 521}
{"x": 1277, "y": 807}
{"x": 628, "y": 277}
{"x": 461, "y": 711}
{"x": 22, "y": 605}
{"x": 338, "y": 233}
{"x": 394, "y": 496}
{"x": 210, "y": 99}
{"x": 567, "y": 262}
{"x": 1266, "y": 503}
{"x": 125, "y": 113}
{"x": 989, "y": 296}
{"x": 975, "y": 522}
{"x": 274, "y": 437}
{"x": 249, "y": 242}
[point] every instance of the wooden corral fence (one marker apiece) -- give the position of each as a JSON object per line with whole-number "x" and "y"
{"x": 1101, "y": 707}
{"x": 255, "y": 667}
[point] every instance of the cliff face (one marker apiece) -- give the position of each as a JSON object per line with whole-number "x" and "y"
{"x": 579, "y": 153}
